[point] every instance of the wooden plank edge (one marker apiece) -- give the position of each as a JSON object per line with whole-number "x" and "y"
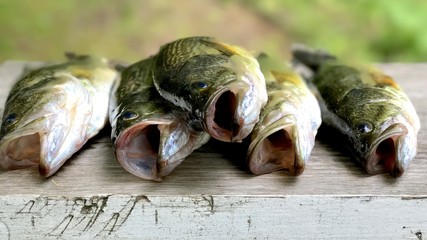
{"x": 213, "y": 217}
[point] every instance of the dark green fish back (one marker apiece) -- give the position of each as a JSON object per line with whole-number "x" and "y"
{"x": 338, "y": 83}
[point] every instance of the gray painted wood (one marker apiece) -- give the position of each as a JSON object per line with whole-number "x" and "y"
{"x": 213, "y": 217}
{"x": 211, "y": 196}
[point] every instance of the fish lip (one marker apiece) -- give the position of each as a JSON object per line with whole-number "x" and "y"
{"x": 394, "y": 132}
{"x": 123, "y": 155}
{"x": 240, "y": 127}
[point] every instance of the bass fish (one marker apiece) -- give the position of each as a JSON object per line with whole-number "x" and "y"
{"x": 369, "y": 108}
{"x": 220, "y": 87}
{"x": 51, "y": 112}
{"x": 285, "y": 134}
{"x": 150, "y": 141}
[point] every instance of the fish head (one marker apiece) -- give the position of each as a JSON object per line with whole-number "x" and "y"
{"x": 227, "y": 93}
{"x": 36, "y": 124}
{"x": 220, "y": 85}
{"x": 136, "y": 135}
{"x": 383, "y": 138}
{"x": 280, "y": 141}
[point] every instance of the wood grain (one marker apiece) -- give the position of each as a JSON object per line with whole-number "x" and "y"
{"x": 333, "y": 198}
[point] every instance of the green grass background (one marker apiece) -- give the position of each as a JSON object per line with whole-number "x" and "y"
{"x": 369, "y": 30}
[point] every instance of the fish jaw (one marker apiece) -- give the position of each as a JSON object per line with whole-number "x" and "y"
{"x": 57, "y": 146}
{"x": 277, "y": 147}
{"x": 137, "y": 148}
{"x": 392, "y": 152}
{"x": 177, "y": 141}
{"x": 39, "y": 143}
{"x": 232, "y": 112}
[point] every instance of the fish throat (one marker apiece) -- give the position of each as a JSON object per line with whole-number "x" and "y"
{"x": 225, "y": 109}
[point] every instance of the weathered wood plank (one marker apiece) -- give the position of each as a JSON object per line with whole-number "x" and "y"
{"x": 211, "y": 196}
{"x": 213, "y": 217}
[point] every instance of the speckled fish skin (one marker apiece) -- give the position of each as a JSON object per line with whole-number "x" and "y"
{"x": 51, "y": 112}
{"x": 220, "y": 87}
{"x": 367, "y": 107}
{"x": 285, "y": 135}
{"x": 148, "y": 139}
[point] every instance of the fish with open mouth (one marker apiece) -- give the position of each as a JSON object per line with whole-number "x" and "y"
{"x": 219, "y": 86}
{"x": 52, "y": 112}
{"x": 368, "y": 107}
{"x": 149, "y": 139}
{"x": 285, "y": 134}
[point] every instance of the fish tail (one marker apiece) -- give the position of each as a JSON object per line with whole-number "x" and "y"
{"x": 312, "y": 58}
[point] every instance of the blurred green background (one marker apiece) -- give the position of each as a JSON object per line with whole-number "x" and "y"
{"x": 369, "y": 30}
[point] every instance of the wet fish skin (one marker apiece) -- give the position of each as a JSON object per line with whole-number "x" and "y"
{"x": 51, "y": 112}
{"x": 285, "y": 135}
{"x": 220, "y": 87}
{"x": 149, "y": 139}
{"x": 369, "y": 108}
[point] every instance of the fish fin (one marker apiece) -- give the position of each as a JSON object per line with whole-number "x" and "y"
{"x": 383, "y": 80}
{"x": 262, "y": 55}
{"x": 74, "y": 56}
{"x": 224, "y": 48}
{"x": 280, "y": 71}
{"x": 118, "y": 66}
{"x": 311, "y": 58}
{"x": 81, "y": 73}
{"x": 289, "y": 76}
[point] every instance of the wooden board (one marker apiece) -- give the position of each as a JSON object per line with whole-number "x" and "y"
{"x": 210, "y": 195}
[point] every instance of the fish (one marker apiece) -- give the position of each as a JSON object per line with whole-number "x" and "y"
{"x": 51, "y": 112}
{"x": 218, "y": 86}
{"x": 149, "y": 139}
{"x": 285, "y": 134}
{"x": 367, "y": 108}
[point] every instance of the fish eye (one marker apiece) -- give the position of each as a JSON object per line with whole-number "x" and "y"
{"x": 364, "y": 127}
{"x": 199, "y": 85}
{"x": 129, "y": 115}
{"x": 10, "y": 119}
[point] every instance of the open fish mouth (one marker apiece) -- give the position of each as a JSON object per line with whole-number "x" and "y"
{"x": 277, "y": 149}
{"x": 387, "y": 153}
{"x": 137, "y": 149}
{"x": 32, "y": 149}
{"x": 24, "y": 148}
{"x": 21, "y": 152}
{"x": 229, "y": 116}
